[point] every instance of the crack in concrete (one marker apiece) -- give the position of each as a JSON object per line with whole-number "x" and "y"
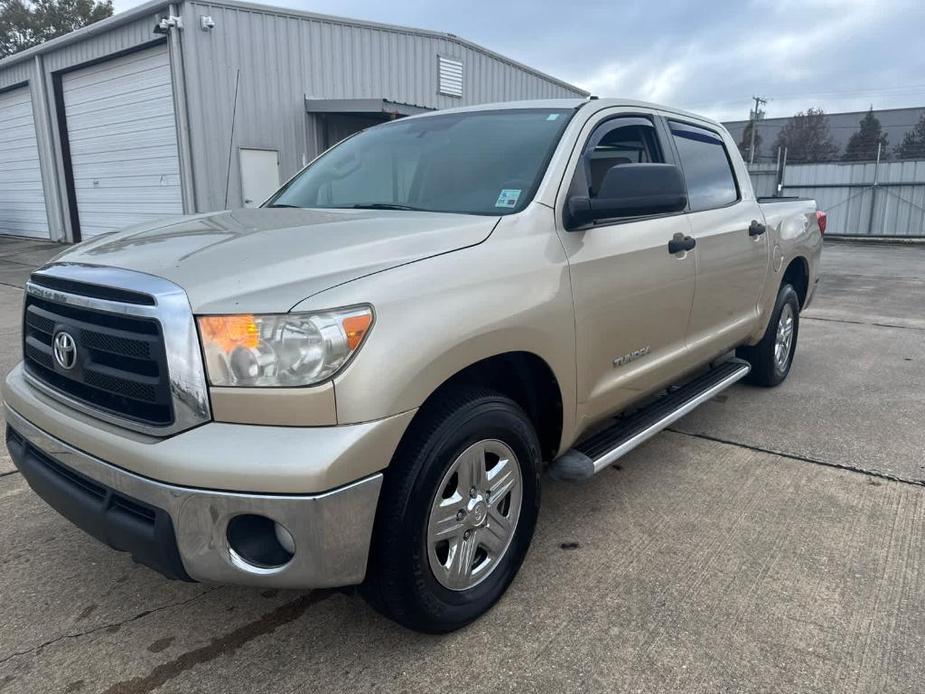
{"x": 803, "y": 459}
{"x": 222, "y": 645}
{"x": 63, "y": 637}
{"x": 834, "y": 320}
{"x": 7, "y": 474}
{"x": 860, "y": 322}
{"x": 901, "y": 327}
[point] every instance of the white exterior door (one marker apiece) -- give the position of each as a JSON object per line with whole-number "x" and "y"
{"x": 122, "y": 136}
{"x": 22, "y": 198}
{"x": 259, "y": 175}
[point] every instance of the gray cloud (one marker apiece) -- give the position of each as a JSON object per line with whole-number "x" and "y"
{"x": 709, "y": 57}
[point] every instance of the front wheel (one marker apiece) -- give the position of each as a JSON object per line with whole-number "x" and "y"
{"x": 456, "y": 513}
{"x": 772, "y": 358}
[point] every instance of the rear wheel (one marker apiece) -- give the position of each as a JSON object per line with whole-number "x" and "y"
{"x": 772, "y": 358}
{"x": 456, "y": 513}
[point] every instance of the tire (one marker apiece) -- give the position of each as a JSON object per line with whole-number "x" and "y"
{"x": 767, "y": 369}
{"x": 408, "y": 578}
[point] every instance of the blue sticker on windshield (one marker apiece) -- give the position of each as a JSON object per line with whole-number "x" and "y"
{"x": 552, "y": 116}
{"x": 508, "y": 197}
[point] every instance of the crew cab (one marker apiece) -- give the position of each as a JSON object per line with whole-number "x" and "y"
{"x": 366, "y": 380}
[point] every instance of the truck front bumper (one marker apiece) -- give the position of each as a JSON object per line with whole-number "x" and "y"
{"x": 200, "y": 534}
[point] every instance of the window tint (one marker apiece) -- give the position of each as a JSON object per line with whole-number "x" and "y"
{"x": 630, "y": 142}
{"x": 710, "y": 182}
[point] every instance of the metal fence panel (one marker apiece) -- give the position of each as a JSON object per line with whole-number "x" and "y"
{"x": 864, "y": 198}
{"x": 764, "y": 179}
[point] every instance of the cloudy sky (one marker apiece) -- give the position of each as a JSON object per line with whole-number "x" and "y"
{"x": 707, "y": 56}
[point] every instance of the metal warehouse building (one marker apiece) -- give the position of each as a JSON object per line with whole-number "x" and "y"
{"x": 193, "y": 107}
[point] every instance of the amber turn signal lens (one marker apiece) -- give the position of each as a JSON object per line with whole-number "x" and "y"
{"x": 355, "y": 327}
{"x": 230, "y": 332}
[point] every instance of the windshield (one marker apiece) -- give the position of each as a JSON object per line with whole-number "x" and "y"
{"x": 483, "y": 162}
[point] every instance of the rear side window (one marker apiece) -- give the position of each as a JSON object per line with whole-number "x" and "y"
{"x": 707, "y": 169}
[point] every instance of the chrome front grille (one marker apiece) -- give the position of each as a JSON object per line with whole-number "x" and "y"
{"x": 136, "y": 358}
{"x": 120, "y": 364}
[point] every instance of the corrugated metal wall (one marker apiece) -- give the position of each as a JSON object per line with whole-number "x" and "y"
{"x": 16, "y": 74}
{"x": 104, "y": 44}
{"x": 309, "y": 56}
{"x": 847, "y": 191}
{"x": 272, "y": 58}
{"x": 51, "y": 62}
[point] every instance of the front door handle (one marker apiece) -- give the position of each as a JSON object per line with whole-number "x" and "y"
{"x": 756, "y": 228}
{"x": 680, "y": 242}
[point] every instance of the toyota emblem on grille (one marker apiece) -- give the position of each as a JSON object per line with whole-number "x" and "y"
{"x": 65, "y": 350}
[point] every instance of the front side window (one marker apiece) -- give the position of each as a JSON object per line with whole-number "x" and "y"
{"x": 707, "y": 169}
{"x": 620, "y": 141}
{"x": 483, "y": 162}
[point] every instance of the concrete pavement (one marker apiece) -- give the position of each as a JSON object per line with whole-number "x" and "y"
{"x": 727, "y": 555}
{"x": 856, "y": 395}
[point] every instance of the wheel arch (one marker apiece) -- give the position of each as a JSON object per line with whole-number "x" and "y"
{"x": 797, "y": 275}
{"x": 524, "y": 377}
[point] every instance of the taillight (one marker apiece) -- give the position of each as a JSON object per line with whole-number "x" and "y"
{"x": 822, "y": 220}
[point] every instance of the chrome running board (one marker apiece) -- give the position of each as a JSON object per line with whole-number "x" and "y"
{"x": 605, "y": 447}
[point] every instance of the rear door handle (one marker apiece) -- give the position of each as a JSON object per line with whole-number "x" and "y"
{"x": 756, "y": 228}
{"x": 680, "y": 242}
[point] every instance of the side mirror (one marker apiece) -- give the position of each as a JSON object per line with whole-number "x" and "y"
{"x": 630, "y": 190}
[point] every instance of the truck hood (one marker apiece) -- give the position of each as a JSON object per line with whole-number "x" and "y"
{"x": 267, "y": 260}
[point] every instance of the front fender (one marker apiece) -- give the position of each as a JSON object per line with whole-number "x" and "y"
{"x": 438, "y": 316}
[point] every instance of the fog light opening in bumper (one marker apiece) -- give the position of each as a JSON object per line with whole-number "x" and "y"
{"x": 260, "y": 542}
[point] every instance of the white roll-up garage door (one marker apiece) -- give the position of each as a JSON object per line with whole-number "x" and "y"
{"x": 22, "y": 199}
{"x": 123, "y": 141}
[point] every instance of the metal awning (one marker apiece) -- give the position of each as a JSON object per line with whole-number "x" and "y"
{"x": 362, "y": 106}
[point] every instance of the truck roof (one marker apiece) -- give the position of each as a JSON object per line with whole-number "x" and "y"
{"x": 594, "y": 104}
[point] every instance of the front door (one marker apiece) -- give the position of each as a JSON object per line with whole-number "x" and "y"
{"x": 732, "y": 262}
{"x": 632, "y": 296}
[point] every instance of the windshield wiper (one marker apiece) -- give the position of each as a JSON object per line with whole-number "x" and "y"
{"x": 385, "y": 206}
{"x": 282, "y": 204}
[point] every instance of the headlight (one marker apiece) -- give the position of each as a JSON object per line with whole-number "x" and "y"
{"x": 293, "y": 349}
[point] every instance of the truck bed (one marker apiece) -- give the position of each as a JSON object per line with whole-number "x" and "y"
{"x": 792, "y": 216}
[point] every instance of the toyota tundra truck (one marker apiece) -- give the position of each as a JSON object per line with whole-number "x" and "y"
{"x": 365, "y": 381}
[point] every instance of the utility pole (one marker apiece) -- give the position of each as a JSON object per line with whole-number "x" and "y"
{"x": 756, "y": 115}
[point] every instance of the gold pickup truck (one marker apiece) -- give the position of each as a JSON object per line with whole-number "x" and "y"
{"x": 364, "y": 381}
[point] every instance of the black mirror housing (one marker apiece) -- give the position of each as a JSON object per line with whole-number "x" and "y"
{"x": 631, "y": 190}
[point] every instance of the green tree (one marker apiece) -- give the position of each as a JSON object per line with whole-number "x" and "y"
{"x": 913, "y": 144}
{"x": 745, "y": 142}
{"x": 27, "y": 23}
{"x": 863, "y": 144}
{"x": 806, "y": 137}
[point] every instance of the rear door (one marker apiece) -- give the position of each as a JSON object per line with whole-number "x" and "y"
{"x": 632, "y": 296}
{"x": 731, "y": 260}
